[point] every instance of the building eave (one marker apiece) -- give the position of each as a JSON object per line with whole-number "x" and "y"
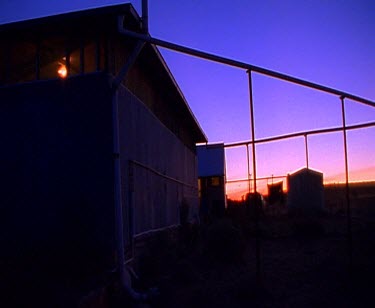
{"x": 202, "y": 137}
{"x": 100, "y": 10}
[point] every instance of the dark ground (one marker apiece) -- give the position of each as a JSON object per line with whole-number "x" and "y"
{"x": 304, "y": 263}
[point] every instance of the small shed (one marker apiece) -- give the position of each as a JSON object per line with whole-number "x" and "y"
{"x": 275, "y": 192}
{"x": 305, "y": 191}
{"x": 211, "y": 179}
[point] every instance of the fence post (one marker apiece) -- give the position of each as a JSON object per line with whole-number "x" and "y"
{"x": 257, "y": 229}
{"x": 307, "y": 152}
{"x": 248, "y": 168}
{"x": 347, "y": 191}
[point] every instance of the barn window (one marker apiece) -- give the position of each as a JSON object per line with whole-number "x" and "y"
{"x": 59, "y": 58}
{"x": 90, "y": 57}
{"x": 18, "y": 59}
{"x": 23, "y": 60}
{"x": 3, "y": 61}
{"x": 215, "y": 181}
{"x": 52, "y": 58}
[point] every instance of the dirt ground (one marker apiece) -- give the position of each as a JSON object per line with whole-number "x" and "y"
{"x": 303, "y": 263}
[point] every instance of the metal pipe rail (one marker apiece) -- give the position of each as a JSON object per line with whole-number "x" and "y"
{"x": 148, "y": 168}
{"x": 256, "y": 69}
{"x": 243, "y": 65}
{"x": 300, "y": 134}
{"x": 258, "y": 179}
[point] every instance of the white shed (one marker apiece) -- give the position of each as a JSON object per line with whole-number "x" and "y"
{"x": 305, "y": 191}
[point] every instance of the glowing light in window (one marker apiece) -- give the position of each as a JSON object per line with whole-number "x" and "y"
{"x": 62, "y": 71}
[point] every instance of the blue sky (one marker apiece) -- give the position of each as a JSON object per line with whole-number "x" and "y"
{"x": 326, "y": 42}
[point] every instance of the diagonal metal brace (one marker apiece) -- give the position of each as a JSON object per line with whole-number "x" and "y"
{"x": 128, "y": 64}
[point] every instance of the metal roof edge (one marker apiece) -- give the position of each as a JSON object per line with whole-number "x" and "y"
{"x": 305, "y": 169}
{"x": 211, "y": 145}
{"x": 99, "y": 10}
{"x": 162, "y": 61}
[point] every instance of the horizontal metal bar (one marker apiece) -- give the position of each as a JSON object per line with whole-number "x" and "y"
{"x": 161, "y": 174}
{"x": 264, "y": 178}
{"x": 155, "y": 230}
{"x": 300, "y": 134}
{"x": 243, "y": 65}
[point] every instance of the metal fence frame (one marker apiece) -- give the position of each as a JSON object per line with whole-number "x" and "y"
{"x": 250, "y": 69}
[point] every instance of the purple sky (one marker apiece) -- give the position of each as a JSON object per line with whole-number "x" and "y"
{"x": 326, "y": 42}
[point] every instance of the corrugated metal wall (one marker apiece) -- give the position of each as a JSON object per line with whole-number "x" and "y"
{"x": 158, "y": 170}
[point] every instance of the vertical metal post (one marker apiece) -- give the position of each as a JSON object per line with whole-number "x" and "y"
{"x": 348, "y": 209}
{"x": 8, "y": 61}
{"x": 106, "y": 53}
{"x": 117, "y": 187}
{"x": 117, "y": 162}
{"x": 248, "y": 168}
{"x": 225, "y": 177}
{"x": 252, "y": 130}
{"x": 257, "y": 229}
{"x": 145, "y": 16}
{"x": 67, "y": 59}
{"x": 37, "y": 60}
{"x": 131, "y": 210}
{"x": 97, "y": 53}
{"x": 82, "y": 56}
{"x": 307, "y": 152}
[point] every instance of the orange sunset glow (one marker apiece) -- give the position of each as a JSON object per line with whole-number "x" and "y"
{"x": 325, "y": 154}
{"x": 236, "y": 191}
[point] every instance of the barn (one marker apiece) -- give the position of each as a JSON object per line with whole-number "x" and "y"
{"x": 98, "y": 150}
